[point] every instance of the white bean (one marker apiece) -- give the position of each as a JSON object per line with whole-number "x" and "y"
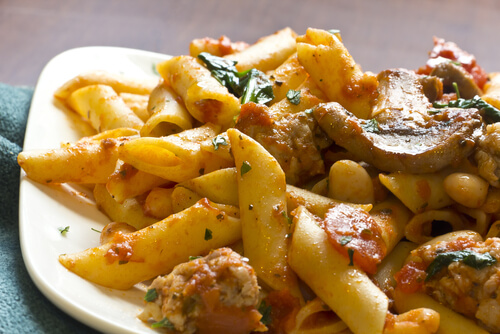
{"x": 467, "y": 189}
{"x": 350, "y": 182}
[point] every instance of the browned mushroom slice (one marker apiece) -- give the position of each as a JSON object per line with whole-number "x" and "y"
{"x": 451, "y": 73}
{"x": 403, "y": 144}
{"x": 400, "y": 95}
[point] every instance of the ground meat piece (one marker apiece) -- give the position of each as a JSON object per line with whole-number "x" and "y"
{"x": 294, "y": 139}
{"x": 466, "y": 289}
{"x": 487, "y": 155}
{"x": 218, "y": 293}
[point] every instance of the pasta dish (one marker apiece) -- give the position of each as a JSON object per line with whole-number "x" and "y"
{"x": 276, "y": 187}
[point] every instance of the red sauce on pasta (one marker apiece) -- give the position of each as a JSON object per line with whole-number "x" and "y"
{"x": 450, "y": 50}
{"x": 411, "y": 277}
{"x": 355, "y": 234}
{"x": 218, "y": 318}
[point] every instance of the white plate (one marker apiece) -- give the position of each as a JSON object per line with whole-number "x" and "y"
{"x": 45, "y": 209}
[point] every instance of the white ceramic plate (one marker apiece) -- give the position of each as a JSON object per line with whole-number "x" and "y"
{"x": 45, "y": 209}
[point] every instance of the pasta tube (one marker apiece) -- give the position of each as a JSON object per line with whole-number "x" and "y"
{"x": 134, "y": 257}
{"x": 263, "y": 212}
{"x": 168, "y": 115}
{"x": 88, "y": 161}
{"x": 343, "y": 287}
{"x": 267, "y": 53}
{"x": 119, "y": 83}
{"x": 333, "y": 69}
{"x": 205, "y": 98}
{"x": 103, "y": 108}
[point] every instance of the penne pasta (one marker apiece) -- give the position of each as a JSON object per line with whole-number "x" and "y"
{"x": 330, "y": 275}
{"x": 267, "y": 53}
{"x": 166, "y": 114}
{"x": 265, "y": 225}
{"x": 204, "y": 97}
{"x": 134, "y": 257}
{"x": 103, "y": 108}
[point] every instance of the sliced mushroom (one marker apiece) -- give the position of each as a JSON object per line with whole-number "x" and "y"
{"x": 403, "y": 135}
{"x": 451, "y": 73}
{"x": 447, "y": 138}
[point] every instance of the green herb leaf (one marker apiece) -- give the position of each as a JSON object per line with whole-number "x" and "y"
{"x": 370, "y": 125}
{"x": 245, "y": 168}
{"x": 350, "y": 252}
{"x": 208, "y": 234}
{"x": 265, "y": 310}
{"x": 345, "y": 240}
{"x": 191, "y": 258}
{"x": 163, "y": 323}
{"x": 252, "y": 85}
{"x": 287, "y": 217}
{"x": 491, "y": 114}
{"x": 293, "y": 96}
{"x": 219, "y": 140}
{"x": 455, "y": 87}
{"x": 256, "y": 87}
{"x": 64, "y": 230}
{"x": 151, "y": 295}
{"x": 469, "y": 258}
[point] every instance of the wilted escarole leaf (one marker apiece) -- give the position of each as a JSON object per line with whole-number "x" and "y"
{"x": 252, "y": 85}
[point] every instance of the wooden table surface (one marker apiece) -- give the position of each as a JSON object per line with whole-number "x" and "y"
{"x": 379, "y": 34}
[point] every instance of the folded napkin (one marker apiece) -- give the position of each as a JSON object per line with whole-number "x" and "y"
{"x": 23, "y": 308}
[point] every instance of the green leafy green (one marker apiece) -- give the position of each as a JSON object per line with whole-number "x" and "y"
{"x": 245, "y": 168}
{"x": 293, "y": 96}
{"x": 163, "y": 323}
{"x": 491, "y": 114}
{"x": 345, "y": 240}
{"x": 251, "y": 85}
{"x": 219, "y": 140}
{"x": 208, "y": 234}
{"x": 151, "y": 295}
{"x": 469, "y": 258}
{"x": 64, "y": 230}
{"x": 265, "y": 310}
{"x": 256, "y": 87}
{"x": 371, "y": 125}
{"x": 350, "y": 252}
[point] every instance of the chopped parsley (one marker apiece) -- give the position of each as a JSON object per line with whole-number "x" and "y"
{"x": 469, "y": 258}
{"x": 350, "y": 252}
{"x": 151, "y": 295}
{"x": 345, "y": 240}
{"x": 64, "y": 230}
{"x": 219, "y": 140}
{"x": 293, "y": 96}
{"x": 252, "y": 85}
{"x": 191, "y": 258}
{"x": 163, "y": 323}
{"x": 245, "y": 168}
{"x": 265, "y": 310}
{"x": 491, "y": 114}
{"x": 287, "y": 217}
{"x": 370, "y": 125}
{"x": 208, "y": 234}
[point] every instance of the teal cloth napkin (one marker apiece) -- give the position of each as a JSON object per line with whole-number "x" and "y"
{"x": 23, "y": 308}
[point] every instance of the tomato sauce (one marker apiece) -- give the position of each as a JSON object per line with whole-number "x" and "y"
{"x": 411, "y": 277}
{"x": 448, "y": 50}
{"x": 353, "y": 231}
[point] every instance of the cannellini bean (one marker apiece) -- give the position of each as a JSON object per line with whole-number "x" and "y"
{"x": 467, "y": 189}
{"x": 350, "y": 182}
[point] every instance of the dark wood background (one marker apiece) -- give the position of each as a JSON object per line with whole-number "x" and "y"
{"x": 379, "y": 34}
